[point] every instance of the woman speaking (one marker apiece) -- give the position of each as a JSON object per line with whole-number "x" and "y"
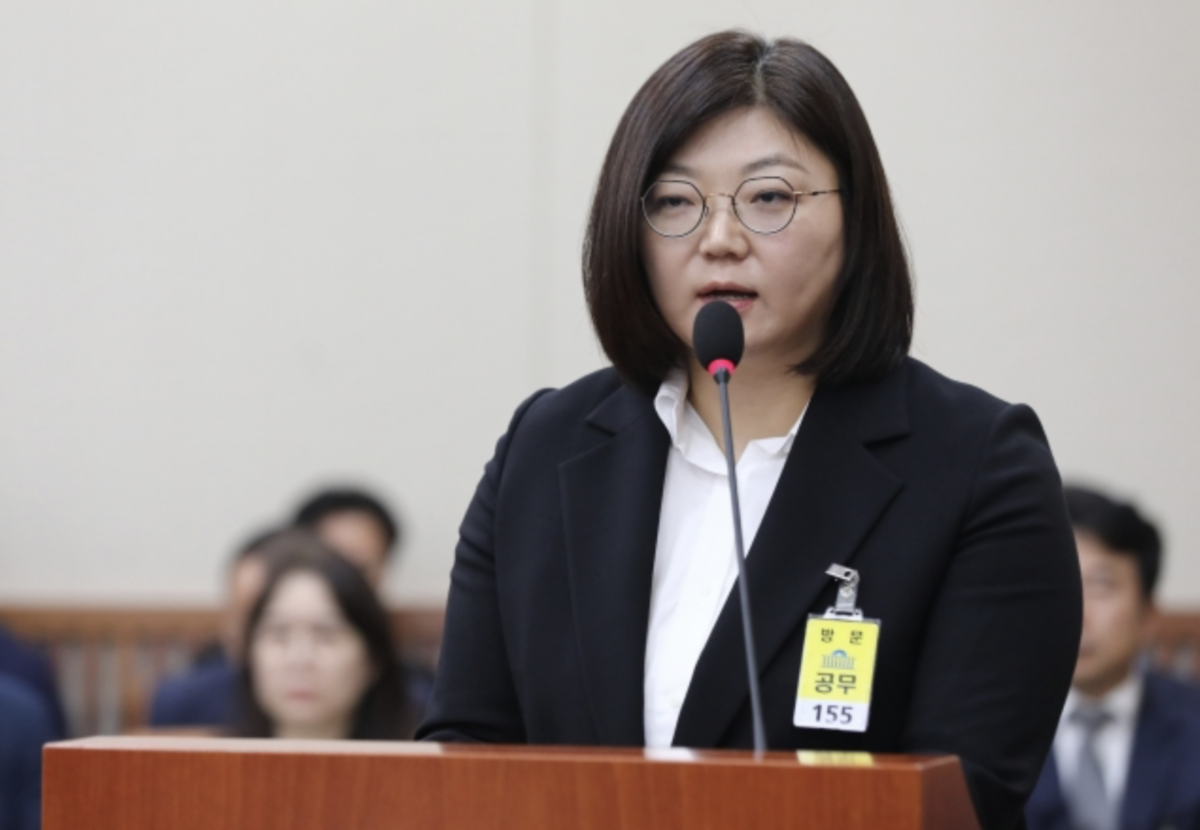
{"x": 592, "y": 599}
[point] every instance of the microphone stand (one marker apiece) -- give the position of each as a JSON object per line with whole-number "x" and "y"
{"x": 721, "y": 375}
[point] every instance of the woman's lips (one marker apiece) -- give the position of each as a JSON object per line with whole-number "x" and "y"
{"x": 738, "y": 298}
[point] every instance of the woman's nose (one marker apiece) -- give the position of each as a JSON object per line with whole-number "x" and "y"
{"x": 721, "y": 232}
{"x": 299, "y": 650}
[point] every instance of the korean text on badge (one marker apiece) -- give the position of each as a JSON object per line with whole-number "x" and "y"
{"x": 836, "y": 672}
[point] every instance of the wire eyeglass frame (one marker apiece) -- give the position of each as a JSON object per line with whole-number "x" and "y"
{"x": 733, "y": 203}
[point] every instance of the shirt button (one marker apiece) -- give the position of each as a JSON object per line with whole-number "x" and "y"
{"x": 676, "y": 701}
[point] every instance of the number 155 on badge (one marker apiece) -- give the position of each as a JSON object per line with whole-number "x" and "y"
{"x": 836, "y": 673}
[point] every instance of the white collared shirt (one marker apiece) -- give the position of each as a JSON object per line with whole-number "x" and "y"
{"x": 694, "y": 561}
{"x": 1113, "y": 743}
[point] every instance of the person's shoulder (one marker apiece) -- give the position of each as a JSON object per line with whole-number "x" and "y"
{"x": 17, "y": 695}
{"x": 200, "y": 697}
{"x": 24, "y": 719}
{"x": 8, "y": 643}
{"x": 915, "y": 399}
{"x": 1179, "y": 697}
{"x": 200, "y": 679}
{"x": 19, "y": 659}
{"x": 578, "y": 397}
{"x": 573, "y": 404}
{"x": 951, "y": 412}
{"x": 1172, "y": 706}
{"x": 932, "y": 392}
{"x": 30, "y": 665}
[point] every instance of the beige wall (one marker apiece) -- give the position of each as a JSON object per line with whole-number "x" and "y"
{"x": 248, "y": 246}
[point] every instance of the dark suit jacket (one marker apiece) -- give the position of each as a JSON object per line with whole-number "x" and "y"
{"x": 25, "y": 725}
{"x": 1163, "y": 787}
{"x": 944, "y": 498}
{"x": 29, "y": 666}
{"x": 204, "y": 696}
{"x": 207, "y": 695}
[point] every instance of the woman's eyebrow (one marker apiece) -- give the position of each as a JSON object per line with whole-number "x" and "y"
{"x": 776, "y": 160}
{"x": 678, "y": 169}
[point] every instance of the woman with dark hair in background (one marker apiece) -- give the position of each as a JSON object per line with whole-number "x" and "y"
{"x": 591, "y": 598}
{"x": 319, "y": 657}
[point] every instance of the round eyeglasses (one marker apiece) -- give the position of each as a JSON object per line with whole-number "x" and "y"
{"x": 765, "y": 205}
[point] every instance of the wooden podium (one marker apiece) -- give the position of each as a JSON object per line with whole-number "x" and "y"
{"x": 154, "y": 783}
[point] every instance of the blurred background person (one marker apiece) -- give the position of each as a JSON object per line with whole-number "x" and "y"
{"x": 357, "y": 524}
{"x": 361, "y": 527}
{"x": 205, "y": 695}
{"x": 28, "y": 666}
{"x": 25, "y": 725}
{"x": 1127, "y": 752}
{"x": 320, "y": 661}
{"x": 354, "y": 524}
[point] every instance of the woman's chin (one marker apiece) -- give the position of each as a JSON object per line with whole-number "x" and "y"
{"x": 760, "y": 357}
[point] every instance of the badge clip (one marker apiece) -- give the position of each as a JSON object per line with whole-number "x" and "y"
{"x": 837, "y": 666}
{"x": 846, "y": 604}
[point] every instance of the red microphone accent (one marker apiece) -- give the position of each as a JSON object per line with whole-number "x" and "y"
{"x": 719, "y": 364}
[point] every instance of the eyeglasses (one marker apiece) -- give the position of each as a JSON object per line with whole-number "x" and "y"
{"x": 765, "y": 205}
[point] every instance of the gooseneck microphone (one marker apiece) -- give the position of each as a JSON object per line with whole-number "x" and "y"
{"x": 718, "y": 339}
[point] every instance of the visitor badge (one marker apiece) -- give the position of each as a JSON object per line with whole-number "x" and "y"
{"x": 838, "y": 663}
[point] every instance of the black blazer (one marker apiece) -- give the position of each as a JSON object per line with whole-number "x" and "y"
{"x": 945, "y": 499}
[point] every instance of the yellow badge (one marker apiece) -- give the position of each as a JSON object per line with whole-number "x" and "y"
{"x": 836, "y": 673}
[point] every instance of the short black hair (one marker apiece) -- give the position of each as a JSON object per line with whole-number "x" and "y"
{"x": 869, "y": 322}
{"x": 333, "y": 500}
{"x": 1120, "y": 527}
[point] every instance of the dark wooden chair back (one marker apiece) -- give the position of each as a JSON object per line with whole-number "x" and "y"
{"x": 110, "y": 660}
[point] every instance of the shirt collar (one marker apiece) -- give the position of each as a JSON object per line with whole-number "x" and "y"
{"x": 680, "y": 419}
{"x": 1122, "y": 702}
{"x": 671, "y": 402}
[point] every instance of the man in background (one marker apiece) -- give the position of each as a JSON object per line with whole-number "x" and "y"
{"x": 1127, "y": 752}
{"x": 357, "y": 525}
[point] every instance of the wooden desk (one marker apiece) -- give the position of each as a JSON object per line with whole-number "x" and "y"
{"x": 142, "y": 783}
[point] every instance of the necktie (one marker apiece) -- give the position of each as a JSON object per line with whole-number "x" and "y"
{"x": 1091, "y": 807}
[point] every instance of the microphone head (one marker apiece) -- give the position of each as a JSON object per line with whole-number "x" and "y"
{"x": 718, "y": 336}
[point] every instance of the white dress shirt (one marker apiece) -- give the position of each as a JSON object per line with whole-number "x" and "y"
{"x": 694, "y": 561}
{"x": 1113, "y": 742}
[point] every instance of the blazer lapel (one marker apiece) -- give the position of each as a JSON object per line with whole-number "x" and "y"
{"x": 1152, "y": 763}
{"x": 829, "y": 496}
{"x": 612, "y": 495}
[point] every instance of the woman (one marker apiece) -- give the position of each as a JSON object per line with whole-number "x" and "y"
{"x": 590, "y": 599}
{"x": 319, "y": 656}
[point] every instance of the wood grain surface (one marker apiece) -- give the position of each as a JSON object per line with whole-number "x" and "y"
{"x": 139, "y": 783}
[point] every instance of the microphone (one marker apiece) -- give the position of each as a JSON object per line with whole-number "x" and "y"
{"x": 718, "y": 339}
